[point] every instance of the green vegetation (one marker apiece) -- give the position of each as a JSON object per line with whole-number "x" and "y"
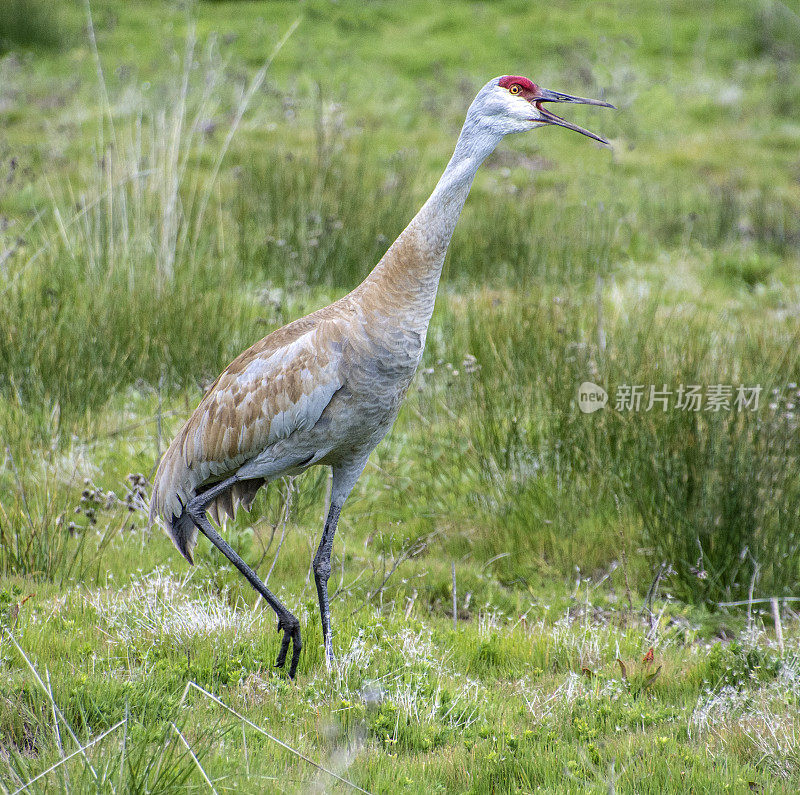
{"x": 173, "y": 194}
{"x": 29, "y": 24}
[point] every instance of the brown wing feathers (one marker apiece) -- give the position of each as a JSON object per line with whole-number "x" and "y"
{"x": 278, "y": 385}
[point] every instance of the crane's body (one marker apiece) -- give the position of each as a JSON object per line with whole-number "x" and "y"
{"x": 325, "y": 389}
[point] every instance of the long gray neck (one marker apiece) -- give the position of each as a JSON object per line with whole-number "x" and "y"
{"x": 409, "y": 272}
{"x": 438, "y": 216}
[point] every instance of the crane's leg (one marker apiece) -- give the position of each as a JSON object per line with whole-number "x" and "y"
{"x": 345, "y": 475}
{"x": 196, "y": 509}
{"x": 322, "y": 571}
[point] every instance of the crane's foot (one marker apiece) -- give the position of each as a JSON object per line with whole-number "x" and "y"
{"x": 291, "y": 633}
{"x": 286, "y": 621}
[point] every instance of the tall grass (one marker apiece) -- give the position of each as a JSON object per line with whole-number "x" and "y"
{"x": 328, "y": 219}
{"x": 714, "y": 489}
{"x": 124, "y": 279}
{"x": 39, "y": 538}
{"x": 719, "y": 499}
{"x": 326, "y": 214}
{"x": 323, "y": 219}
{"x": 165, "y": 256}
{"x": 130, "y": 272}
{"x": 714, "y": 492}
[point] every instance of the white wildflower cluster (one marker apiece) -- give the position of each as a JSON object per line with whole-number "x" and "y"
{"x": 160, "y": 605}
{"x": 587, "y": 639}
{"x": 489, "y": 623}
{"x": 410, "y": 689}
{"x": 551, "y": 705}
{"x": 784, "y": 403}
{"x": 425, "y": 688}
{"x": 469, "y": 365}
{"x": 347, "y": 665}
{"x": 768, "y": 717}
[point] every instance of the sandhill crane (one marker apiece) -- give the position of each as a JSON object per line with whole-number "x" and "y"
{"x": 326, "y": 388}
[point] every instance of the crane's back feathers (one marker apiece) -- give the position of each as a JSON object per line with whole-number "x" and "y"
{"x": 280, "y": 385}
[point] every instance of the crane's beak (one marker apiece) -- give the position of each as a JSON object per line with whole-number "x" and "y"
{"x": 545, "y": 95}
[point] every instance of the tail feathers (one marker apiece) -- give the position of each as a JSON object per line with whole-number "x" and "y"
{"x": 242, "y": 493}
{"x": 183, "y": 532}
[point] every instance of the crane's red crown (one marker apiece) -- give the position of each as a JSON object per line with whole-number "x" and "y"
{"x": 529, "y": 88}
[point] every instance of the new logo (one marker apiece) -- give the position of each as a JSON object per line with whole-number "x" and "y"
{"x": 591, "y": 397}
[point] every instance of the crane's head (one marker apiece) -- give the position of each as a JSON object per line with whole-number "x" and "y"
{"x": 513, "y": 104}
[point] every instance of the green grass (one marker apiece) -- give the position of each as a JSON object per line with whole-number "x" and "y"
{"x": 29, "y": 24}
{"x": 163, "y": 204}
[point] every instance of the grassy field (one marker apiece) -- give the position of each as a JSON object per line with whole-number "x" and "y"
{"x": 178, "y": 178}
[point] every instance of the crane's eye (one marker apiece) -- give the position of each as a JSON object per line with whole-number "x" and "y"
{"x": 515, "y": 89}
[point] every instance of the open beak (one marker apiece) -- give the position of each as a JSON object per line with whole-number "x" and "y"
{"x": 546, "y": 116}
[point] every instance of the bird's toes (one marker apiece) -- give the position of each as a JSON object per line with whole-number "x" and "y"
{"x": 291, "y": 635}
{"x": 296, "y": 646}
{"x": 283, "y": 650}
